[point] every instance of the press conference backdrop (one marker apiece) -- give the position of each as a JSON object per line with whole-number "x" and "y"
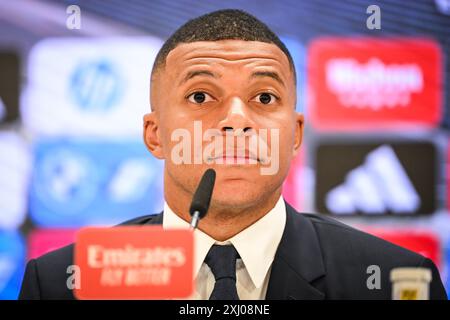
{"x": 376, "y": 101}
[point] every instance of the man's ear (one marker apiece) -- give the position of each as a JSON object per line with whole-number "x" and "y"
{"x": 298, "y": 133}
{"x": 151, "y": 135}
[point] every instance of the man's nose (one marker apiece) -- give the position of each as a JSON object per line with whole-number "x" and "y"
{"x": 237, "y": 116}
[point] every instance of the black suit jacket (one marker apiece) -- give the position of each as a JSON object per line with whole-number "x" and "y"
{"x": 318, "y": 258}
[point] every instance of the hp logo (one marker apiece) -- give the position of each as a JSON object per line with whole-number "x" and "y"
{"x": 96, "y": 86}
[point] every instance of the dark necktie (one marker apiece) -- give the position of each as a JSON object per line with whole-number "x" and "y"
{"x": 222, "y": 262}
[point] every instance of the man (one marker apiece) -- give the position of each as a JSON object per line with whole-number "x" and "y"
{"x": 227, "y": 71}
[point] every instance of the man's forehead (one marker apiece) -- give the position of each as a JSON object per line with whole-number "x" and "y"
{"x": 187, "y": 54}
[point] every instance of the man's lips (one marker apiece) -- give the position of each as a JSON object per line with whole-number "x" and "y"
{"x": 237, "y": 160}
{"x": 243, "y": 157}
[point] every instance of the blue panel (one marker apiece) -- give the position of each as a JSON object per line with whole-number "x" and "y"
{"x": 298, "y": 53}
{"x": 77, "y": 183}
{"x": 12, "y": 264}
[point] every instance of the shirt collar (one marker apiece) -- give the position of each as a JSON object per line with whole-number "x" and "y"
{"x": 265, "y": 233}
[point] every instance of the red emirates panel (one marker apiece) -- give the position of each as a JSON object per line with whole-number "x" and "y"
{"x": 133, "y": 262}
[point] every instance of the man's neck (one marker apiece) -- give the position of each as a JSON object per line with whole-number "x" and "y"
{"x": 221, "y": 223}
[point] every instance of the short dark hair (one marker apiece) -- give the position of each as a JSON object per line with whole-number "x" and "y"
{"x": 229, "y": 24}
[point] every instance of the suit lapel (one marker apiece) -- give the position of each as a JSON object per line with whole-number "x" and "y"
{"x": 156, "y": 219}
{"x": 149, "y": 219}
{"x": 298, "y": 261}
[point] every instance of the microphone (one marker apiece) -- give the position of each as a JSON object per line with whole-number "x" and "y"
{"x": 202, "y": 197}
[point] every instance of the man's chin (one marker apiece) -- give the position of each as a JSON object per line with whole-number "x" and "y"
{"x": 240, "y": 192}
{"x": 237, "y": 199}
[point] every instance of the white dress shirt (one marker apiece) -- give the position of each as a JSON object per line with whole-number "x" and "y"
{"x": 256, "y": 246}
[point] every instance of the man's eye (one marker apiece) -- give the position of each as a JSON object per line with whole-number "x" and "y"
{"x": 265, "y": 98}
{"x": 199, "y": 97}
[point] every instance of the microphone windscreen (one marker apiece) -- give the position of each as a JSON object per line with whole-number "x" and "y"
{"x": 202, "y": 196}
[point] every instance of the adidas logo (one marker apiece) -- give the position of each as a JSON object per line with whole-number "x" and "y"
{"x": 380, "y": 184}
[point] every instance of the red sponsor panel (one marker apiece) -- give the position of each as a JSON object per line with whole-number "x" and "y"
{"x": 294, "y": 184}
{"x": 42, "y": 241}
{"x": 447, "y": 167}
{"x": 422, "y": 242}
{"x": 371, "y": 83}
{"x": 145, "y": 262}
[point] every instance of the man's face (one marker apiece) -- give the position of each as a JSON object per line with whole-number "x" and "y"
{"x": 235, "y": 87}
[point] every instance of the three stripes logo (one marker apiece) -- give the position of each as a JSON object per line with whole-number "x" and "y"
{"x": 375, "y": 180}
{"x": 378, "y": 185}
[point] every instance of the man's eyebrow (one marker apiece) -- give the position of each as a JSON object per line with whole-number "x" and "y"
{"x": 271, "y": 74}
{"x": 192, "y": 74}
